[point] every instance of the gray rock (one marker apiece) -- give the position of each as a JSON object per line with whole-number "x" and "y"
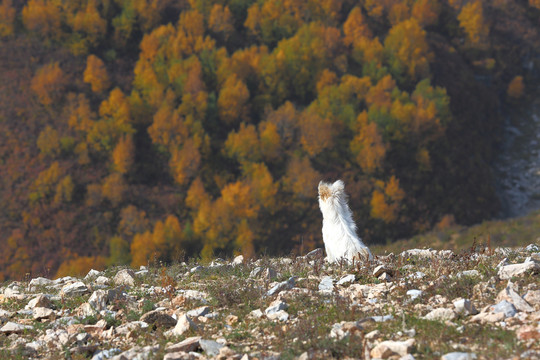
{"x": 382, "y": 318}
{"x": 510, "y": 295}
{"x": 532, "y": 248}
{"x": 347, "y": 279}
{"x": 74, "y": 289}
{"x": 200, "y": 311}
{"x": 464, "y": 307}
{"x": 284, "y": 285}
{"x": 256, "y": 272}
{"x": 98, "y": 300}
{"x": 210, "y": 347}
{"x": 326, "y": 285}
{"x": 14, "y": 328}
{"x": 441, "y": 314}
{"x": 416, "y": 275}
{"x": 124, "y": 277}
{"x": 459, "y": 356}
{"x": 159, "y": 319}
{"x": 505, "y": 307}
{"x": 196, "y": 269}
{"x": 276, "y": 306}
{"x": 315, "y": 254}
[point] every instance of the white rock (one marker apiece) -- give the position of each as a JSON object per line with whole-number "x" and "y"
{"x": 284, "y": 285}
{"x": 326, "y": 285}
{"x": 441, "y": 314}
{"x": 508, "y": 271}
{"x": 239, "y": 260}
{"x": 40, "y": 281}
{"x": 74, "y": 289}
{"x": 92, "y": 274}
{"x": 414, "y": 294}
{"x": 391, "y": 348}
{"x": 189, "y": 344}
{"x": 125, "y": 277}
{"x": 257, "y": 314}
{"x": 464, "y": 307}
{"x": 280, "y": 315}
{"x": 200, "y": 311}
{"x": 532, "y": 297}
{"x": 138, "y": 353}
{"x": 14, "y": 328}
{"x": 85, "y": 310}
{"x": 39, "y": 301}
{"x": 131, "y": 326}
{"x": 183, "y": 324}
{"x": 102, "y": 280}
{"x": 469, "y": 273}
{"x": 347, "y": 279}
{"x": 459, "y": 356}
{"x": 39, "y": 313}
{"x": 276, "y": 306}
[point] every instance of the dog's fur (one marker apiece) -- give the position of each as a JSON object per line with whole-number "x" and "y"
{"x": 339, "y": 230}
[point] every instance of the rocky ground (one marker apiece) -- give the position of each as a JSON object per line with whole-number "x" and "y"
{"x": 420, "y": 304}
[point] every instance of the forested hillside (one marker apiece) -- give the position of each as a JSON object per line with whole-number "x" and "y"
{"x": 155, "y": 129}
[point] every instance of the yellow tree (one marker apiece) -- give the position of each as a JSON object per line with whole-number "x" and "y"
{"x": 301, "y": 179}
{"x": 114, "y": 188}
{"x": 168, "y": 128}
{"x": 95, "y": 74}
{"x": 426, "y": 12}
{"x": 7, "y": 18}
{"x": 48, "y": 142}
{"x": 88, "y": 21}
{"x": 43, "y": 17}
{"x": 471, "y": 19}
{"x": 368, "y": 146}
{"x": 317, "y": 133}
{"x": 386, "y": 200}
{"x": 123, "y": 154}
{"x": 81, "y": 116}
{"x": 233, "y": 100}
{"x": 243, "y": 144}
{"x": 185, "y": 162}
{"x": 407, "y": 50}
{"x": 48, "y": 83}
{"x": 355, "y": 27}
{"x": 221, "y": 20}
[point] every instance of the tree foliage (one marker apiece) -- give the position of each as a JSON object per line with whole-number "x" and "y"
{"x": 161, "y": 129}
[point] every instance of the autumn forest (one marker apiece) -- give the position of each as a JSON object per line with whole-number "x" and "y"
{"x": 137, "y": 131}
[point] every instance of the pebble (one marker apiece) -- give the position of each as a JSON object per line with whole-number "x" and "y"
{"x": 125, "y": 277}
{"x": 504, "y": 307}
{"x": 459, "y": 356}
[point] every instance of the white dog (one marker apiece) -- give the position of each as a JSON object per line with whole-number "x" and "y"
{"x": 339, "y": 229}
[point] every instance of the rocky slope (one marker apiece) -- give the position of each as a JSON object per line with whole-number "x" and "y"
{"x": 418, "y": 304}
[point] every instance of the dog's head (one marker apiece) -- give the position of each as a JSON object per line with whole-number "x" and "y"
{"x": 327, "y": 190}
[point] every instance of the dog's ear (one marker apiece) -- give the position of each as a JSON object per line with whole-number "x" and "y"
{"x": 338, "y": 187}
